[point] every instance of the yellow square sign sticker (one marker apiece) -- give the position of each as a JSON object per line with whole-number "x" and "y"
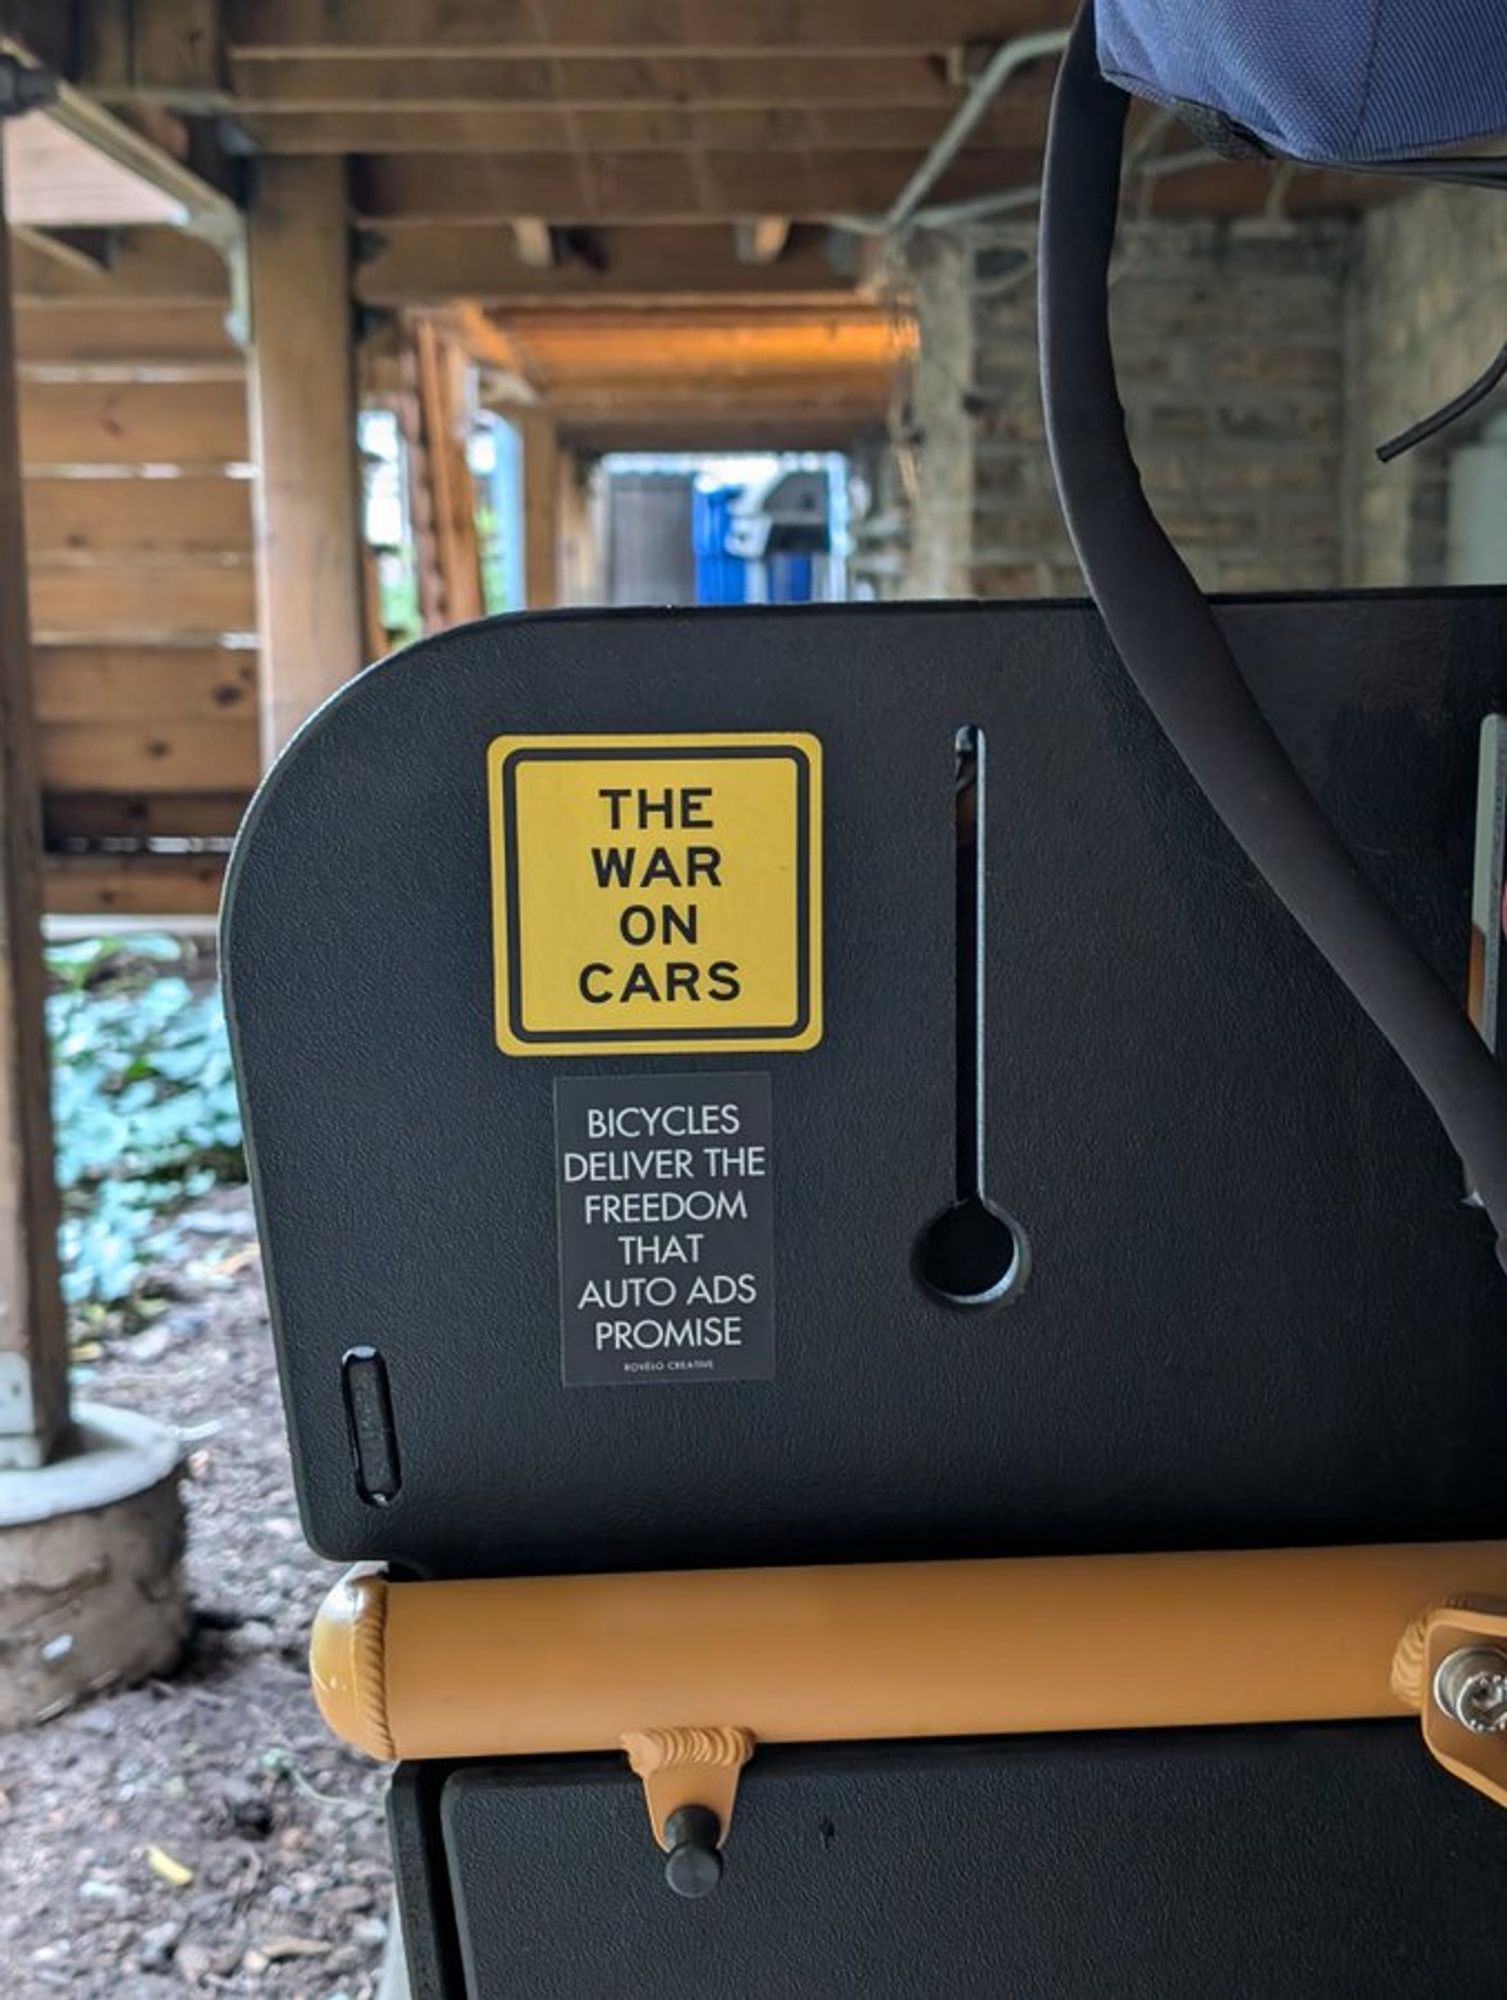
{"x": 656, "y": 894}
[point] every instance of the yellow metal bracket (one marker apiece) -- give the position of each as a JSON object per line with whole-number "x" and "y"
{"x": 690, "y": 1779}
{"x": 1451, "y": 1666}
{"x": 688, "y": 1767}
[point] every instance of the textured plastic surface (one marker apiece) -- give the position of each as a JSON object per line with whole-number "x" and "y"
{"x": 1258, "y": 1312}
{"x": 1278, "y": 1864}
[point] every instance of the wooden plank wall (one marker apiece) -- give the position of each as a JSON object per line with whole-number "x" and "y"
{"x": 139, "y": 534}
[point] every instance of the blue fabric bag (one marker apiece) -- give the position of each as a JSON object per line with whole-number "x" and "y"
{"x": 1332, "y": 82}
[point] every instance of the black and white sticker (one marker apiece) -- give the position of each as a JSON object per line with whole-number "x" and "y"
{"x": 666, "y": 1229}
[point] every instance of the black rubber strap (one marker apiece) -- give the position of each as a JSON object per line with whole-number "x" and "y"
{"x": 1175, "y": 652}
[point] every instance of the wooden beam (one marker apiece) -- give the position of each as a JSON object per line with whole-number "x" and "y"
{"x": 664, "y": 354}
{"x": 481, "y": 338}
{"x": 175, "y": 519}
{"x": 756, "y": 361}
{"x": 637, "y": 128}
{"x": 762, "y": 240}
{"x": 167, "y": 50}
{"x": 747, "y": 325}
{"x": 409, "y": 190}
{"x": 34, "y": 1411}
{"x": 541, "y": 508}
{"x": 304, "y": 430}
{"x": 596, "y": 407}
{"x": 163, "y": 265}
{"x": 418, "y": 486}
{"x": 435, "y": 266}
{"x": 164, "y": 755}
{"x": 824, "y": 426}
{"x": 536, "y": 243}
{"x": 109, "y": 685}
{"x": 133, "y": 423}
{"x": 94, "y": 598}
{"x": 425, "y": 83}
{"x": 84, "y": 250}
{"x": 148, "y": 336}
{"x": 116, "y": 370}
{"x": 454, "y": 495}
{"x": 69, "y": 818}
{"x": 501, "y": 27}
{"x": 134, "y": 885}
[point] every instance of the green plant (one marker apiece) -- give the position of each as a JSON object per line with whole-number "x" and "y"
{"x": 144, "y": 1107}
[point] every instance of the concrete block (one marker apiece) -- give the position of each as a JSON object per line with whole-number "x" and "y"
{"x": 91, "y": 1582}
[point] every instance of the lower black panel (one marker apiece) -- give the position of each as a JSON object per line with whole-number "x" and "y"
{"x": 1310, "y": 1863}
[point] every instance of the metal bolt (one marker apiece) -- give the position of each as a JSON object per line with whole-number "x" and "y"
{"x": 1471, "y": 1688}
{"x": 693, "y": 1867}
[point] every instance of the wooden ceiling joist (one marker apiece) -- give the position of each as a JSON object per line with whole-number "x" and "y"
{"x": 126, "y": 885}
{"x": 652, "y": 128}
{"x": 498, "y": 27}
{"x": 823, "y": 426}
{"x": 530, "y": 330}
{"x": 163, "y": 265}
{"x": 82, "y": 250}
{"x": 839, "y": 408}
{"x": 671, "y": 346}
{"x": 659, "y": 377}
{"x": 535, "y": 241}
{"x": 421, "y": 189}
{"x": 762, "y": 239}
{"x": 436, "y": 82}
{"x": 435, "y": 266}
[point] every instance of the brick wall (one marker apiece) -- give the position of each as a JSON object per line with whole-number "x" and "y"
{"x": 1231, "y": 347}
{"x": 937, "y": 453}
{"x": 1427, "y": 311}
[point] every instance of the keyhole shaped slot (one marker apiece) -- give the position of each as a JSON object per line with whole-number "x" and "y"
{"x": 972, "y": 1253}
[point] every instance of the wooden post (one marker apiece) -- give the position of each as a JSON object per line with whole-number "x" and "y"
{"x": 453, "y": 494}
{"x": 33, "y": 1329}
{"x": 541, "y": 509}
{"x": 303, "y": 419}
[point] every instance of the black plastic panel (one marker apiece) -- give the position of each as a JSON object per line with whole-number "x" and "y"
{"x": 1258, "y": 1311}
{"x": 1260, "y": 1864}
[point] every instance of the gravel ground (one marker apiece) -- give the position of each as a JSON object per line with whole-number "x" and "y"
{"x": 204, "y": 1834}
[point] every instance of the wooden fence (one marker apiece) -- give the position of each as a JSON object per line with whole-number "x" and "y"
{"x": 139, "y": 531}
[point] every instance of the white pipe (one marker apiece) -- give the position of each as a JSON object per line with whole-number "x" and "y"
{"x": 1002, "y": 65}
{"x": 983, "y": 206}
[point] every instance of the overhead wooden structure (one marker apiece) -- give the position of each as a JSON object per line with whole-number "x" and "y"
{"x": 797, "y": 376}
{"x": 644, "y": 224}
{"x": 642, "y": 133}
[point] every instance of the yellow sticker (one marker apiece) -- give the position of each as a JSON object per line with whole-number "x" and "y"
{"x": 656, "y": 894}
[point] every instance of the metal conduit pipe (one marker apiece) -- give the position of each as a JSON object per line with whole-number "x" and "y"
{"x": 1002, "y": 65}
{"x": 1009, "y": 58}
{"x": 982, "y": 207}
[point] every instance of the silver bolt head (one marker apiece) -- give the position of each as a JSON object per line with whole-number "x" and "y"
{"x": 1471, "y": 1689}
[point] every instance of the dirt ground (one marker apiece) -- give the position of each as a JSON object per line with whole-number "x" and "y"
{"x": 204, "y": 1834}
